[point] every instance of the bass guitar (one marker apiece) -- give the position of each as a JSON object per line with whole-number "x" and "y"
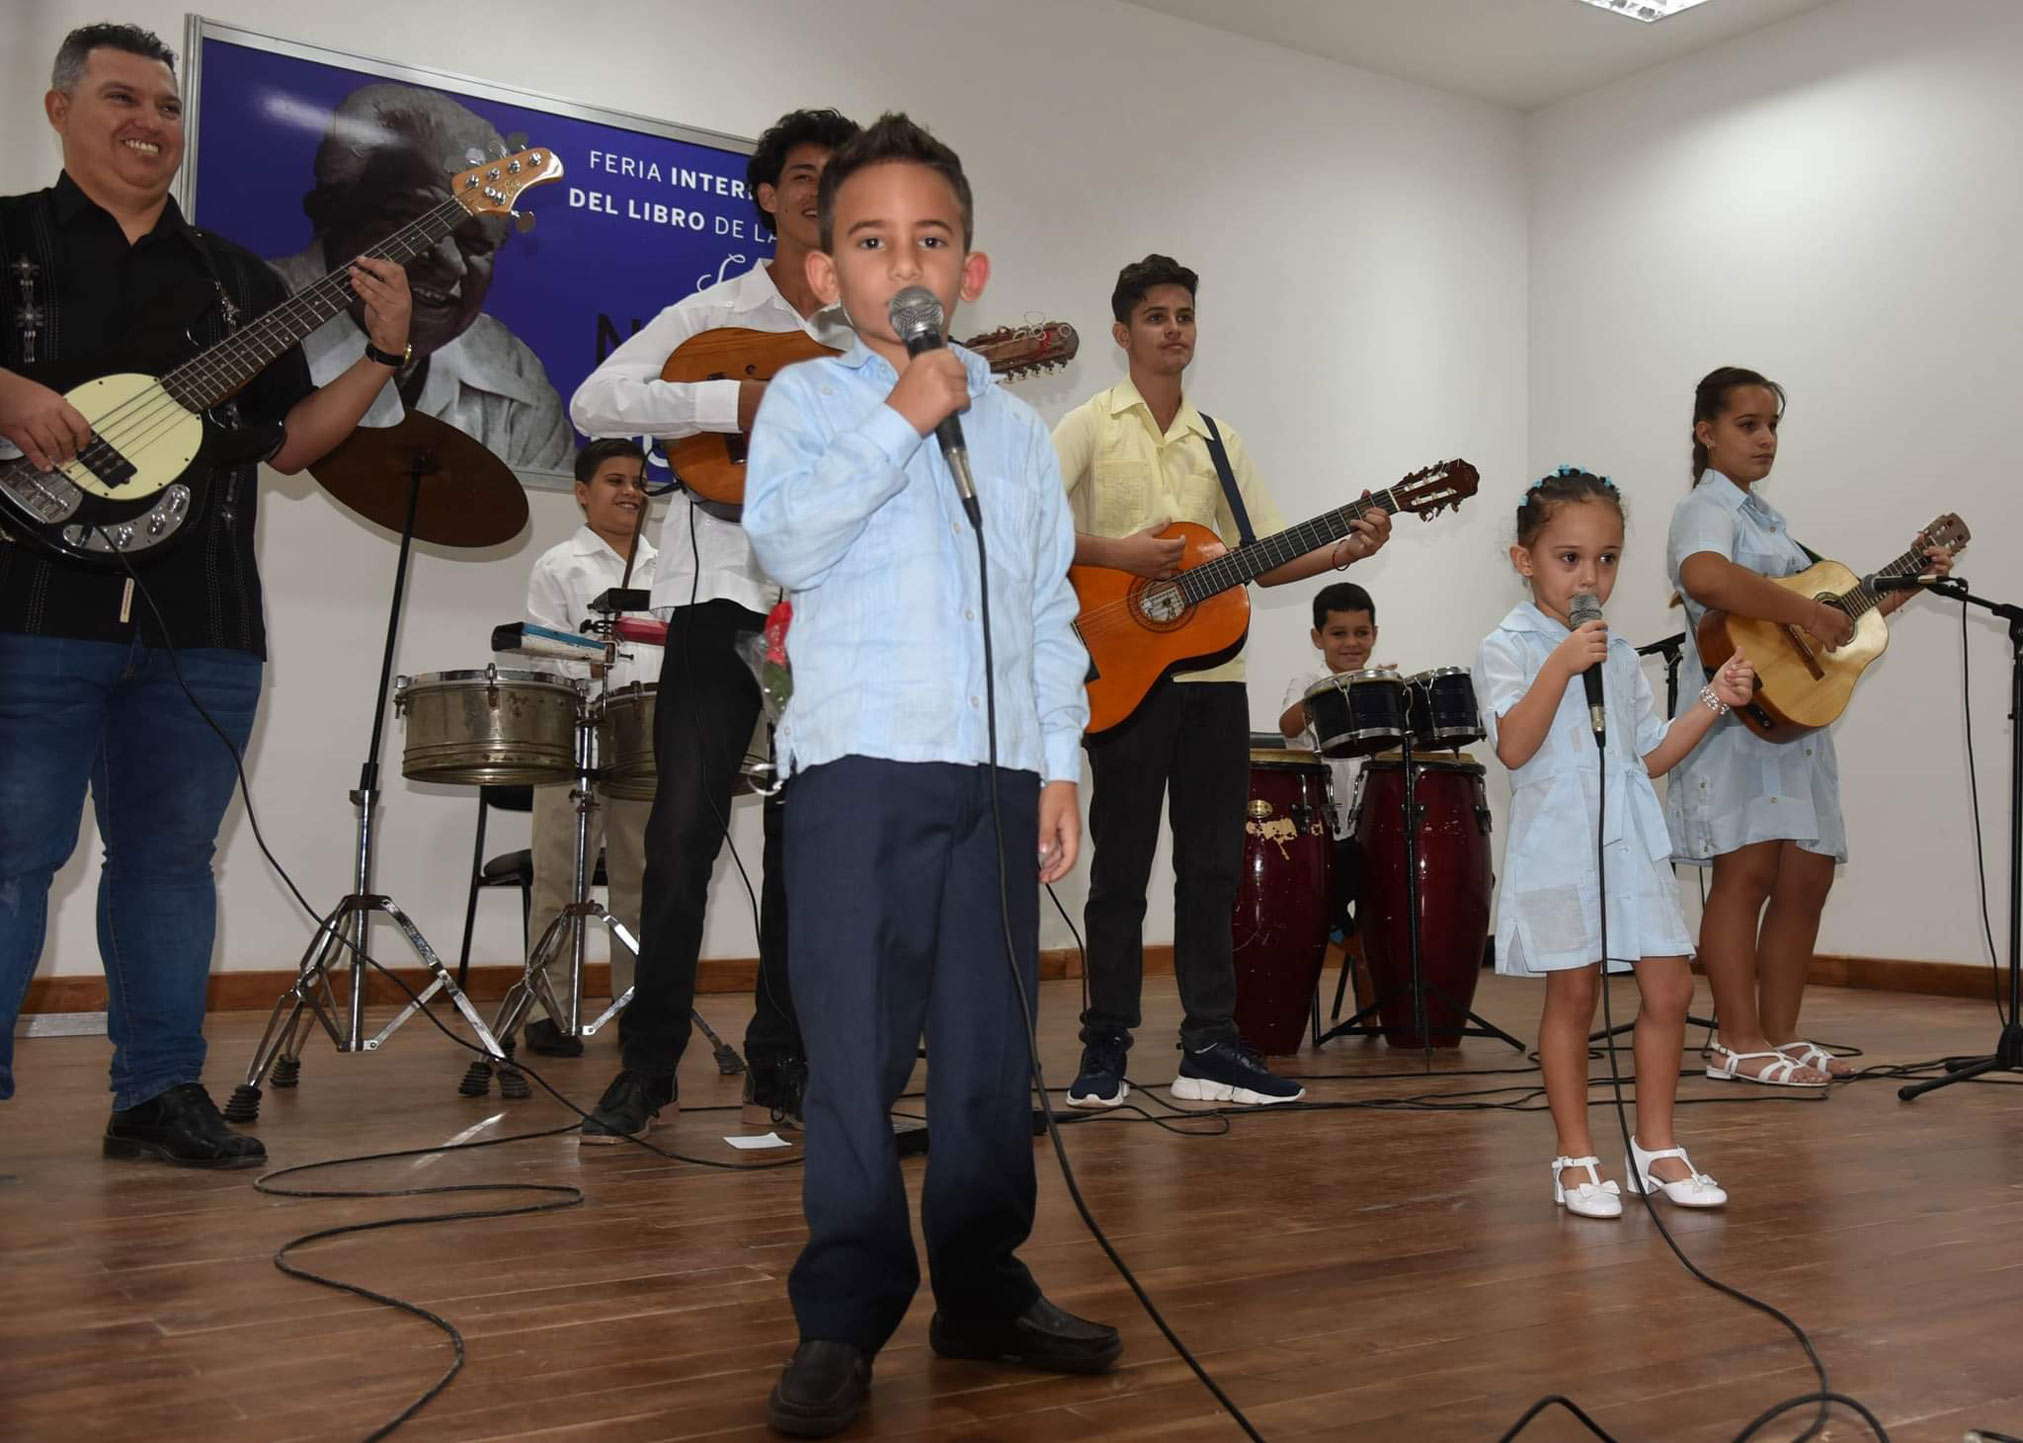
{"x": 132, "y": 487}
{"x": 711, "y": 464}
{"x": 1800, "y": 685}
{"x": 1138, "y": 629}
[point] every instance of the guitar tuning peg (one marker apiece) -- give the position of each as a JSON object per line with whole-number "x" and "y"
{"x": 523, "y": 221}
{"x": 474, "y": 156}
{"x": 516, "y": 141}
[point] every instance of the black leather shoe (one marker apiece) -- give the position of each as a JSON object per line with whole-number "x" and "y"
{"x": 627, "y": 1108}
{"x": 773, "y": 1089}
{"x": 548, "y": 1040}
{"x": 1041, "y": 1337}
{"x": 181, "y": 1127}
{"x": 821, "y": 1391}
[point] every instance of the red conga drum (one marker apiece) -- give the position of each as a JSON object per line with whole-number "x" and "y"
{"x": 1454, "y": 884}
{"x": 1281, "y": 922}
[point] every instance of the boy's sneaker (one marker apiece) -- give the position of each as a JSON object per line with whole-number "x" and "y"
{"x": 1231, "y": 1071}
{"x": 1101, "y": 1082}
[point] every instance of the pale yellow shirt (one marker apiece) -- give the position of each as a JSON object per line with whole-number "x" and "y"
{"x": 1122, "y": 476}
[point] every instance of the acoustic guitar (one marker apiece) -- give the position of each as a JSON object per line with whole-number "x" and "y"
{"x": 146, "y": 469}
{"x": 1138, "y": 629}
{"x": 1800, "y": 685}
{"x": 711, "y": 464}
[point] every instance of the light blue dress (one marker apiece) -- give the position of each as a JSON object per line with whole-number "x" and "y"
{"x": 1735, "y": 788}
{"x": 1548, "y": 916}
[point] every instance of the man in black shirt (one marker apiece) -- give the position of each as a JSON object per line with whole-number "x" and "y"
{"x": 88, "y": 689}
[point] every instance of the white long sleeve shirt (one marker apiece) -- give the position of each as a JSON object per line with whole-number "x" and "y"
{"x": 701, "y": 557}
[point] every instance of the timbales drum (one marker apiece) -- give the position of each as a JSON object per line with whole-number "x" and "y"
{"x": 1359, "y": 713}
{"x": 1454, "y": 887}
{"x": 1281, "y": 918}
{"x": 625, "y": 768}
{"x": 488, "y": 728}
{"x": 1443, "y": 710}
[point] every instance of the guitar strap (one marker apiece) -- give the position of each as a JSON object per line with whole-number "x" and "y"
{"x": 1230, "y": 491}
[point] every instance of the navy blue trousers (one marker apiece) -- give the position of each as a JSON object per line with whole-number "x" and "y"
{"x": 893, "y": 904}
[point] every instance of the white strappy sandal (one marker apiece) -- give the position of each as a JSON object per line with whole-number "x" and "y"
{"x": 1591, "y": 1199}
{"x": 1696, "y": 1190}
{"x": 1812, "y": 1055}
{"x": 1778, "y": 1072}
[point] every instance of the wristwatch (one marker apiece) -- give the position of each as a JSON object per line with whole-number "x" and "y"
{"x": 388, "y": 358}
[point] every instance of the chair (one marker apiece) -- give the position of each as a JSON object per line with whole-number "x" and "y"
{"x": 508, "y": 869}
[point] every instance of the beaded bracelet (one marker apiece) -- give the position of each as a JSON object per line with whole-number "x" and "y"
{"x": 1712, "y": 702}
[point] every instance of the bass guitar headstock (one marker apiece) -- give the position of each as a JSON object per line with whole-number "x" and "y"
{"x": 491, "y": 187}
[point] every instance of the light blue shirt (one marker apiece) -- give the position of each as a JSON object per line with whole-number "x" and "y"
{"x": 1735, "y": 788}
{"x": 856, "y": 515}
{"x": 1548, "y": 914}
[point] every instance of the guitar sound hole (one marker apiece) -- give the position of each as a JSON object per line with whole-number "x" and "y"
{"x": 1160, "y": 605}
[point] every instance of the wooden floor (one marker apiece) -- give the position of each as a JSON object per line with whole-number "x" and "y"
{"x": 1345, "y": 1274}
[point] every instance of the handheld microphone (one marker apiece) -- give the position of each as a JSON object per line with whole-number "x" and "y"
{"x": 917, "y": 320}
{"x": 1586, "y": 608}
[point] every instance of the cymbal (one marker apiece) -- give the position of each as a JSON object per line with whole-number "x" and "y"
{"x": 469, "y": 497}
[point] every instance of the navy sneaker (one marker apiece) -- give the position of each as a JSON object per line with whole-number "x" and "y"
{"x": 1101, "y": 1082}
{"x": 627, "y": 1109}
{"x": 1231, "y": 1071}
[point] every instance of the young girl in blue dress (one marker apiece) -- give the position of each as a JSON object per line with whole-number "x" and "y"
{"x": 1569, "y": 541}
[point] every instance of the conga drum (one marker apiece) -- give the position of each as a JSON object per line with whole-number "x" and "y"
{"x": 1454, "y": 885}
{"x": 1281, "y": 920}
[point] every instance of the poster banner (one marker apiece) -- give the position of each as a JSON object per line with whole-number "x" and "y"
{"x": 308, "y": 156}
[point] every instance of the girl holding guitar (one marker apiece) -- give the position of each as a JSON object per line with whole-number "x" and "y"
{"x": 1764, "y": 815}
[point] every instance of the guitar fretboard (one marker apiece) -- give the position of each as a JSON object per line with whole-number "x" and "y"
{"x": 1861, "y": 601}
{"x": 222, "y": 370}
{"x": 1268, "y": 553}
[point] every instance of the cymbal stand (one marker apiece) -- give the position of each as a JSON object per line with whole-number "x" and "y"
{"x": 312, "y": 995}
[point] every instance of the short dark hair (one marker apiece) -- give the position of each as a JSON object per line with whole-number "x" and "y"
{"x": 893, "y": 137}
{"x": 1141, "y": 276}
{"x": 598, "y": 452}
{"x": 1549, "y": 493}
{"x": 1710, "y": 402}
{"x": 1342, "y": 596}
{"x": 77, "y": 46}
{"x": 826, "y": 128}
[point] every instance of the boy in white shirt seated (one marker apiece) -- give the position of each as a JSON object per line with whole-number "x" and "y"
{"x": 1345, "y": 633}
{"x": 611, "y": 488}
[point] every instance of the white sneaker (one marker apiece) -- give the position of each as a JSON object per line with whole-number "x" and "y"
{"x": 1591, "y": 1199}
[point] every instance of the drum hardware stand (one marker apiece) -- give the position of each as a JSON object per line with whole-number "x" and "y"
{"x": 1673, "y": 649}
{"x": 569, "y": 928}
{"x": 281, "y": 1043}
{"x": 1363, "y": 1020}
{"x": 2008, "y": 1053}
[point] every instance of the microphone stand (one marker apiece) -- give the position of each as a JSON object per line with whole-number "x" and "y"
{"x": 1673, "y": 649}
{"x": 2008, "y": 1053}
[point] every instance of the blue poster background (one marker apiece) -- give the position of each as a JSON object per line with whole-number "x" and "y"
{"x": 638, "y": 221}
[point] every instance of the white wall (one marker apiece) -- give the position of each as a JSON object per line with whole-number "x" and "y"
{"x": 1362, "y": 245}
{"x": 1833, "y": 201}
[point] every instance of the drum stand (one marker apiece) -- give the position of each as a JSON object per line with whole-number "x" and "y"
{"x": 2008, "y": 1053}
{"x": 1672, "y": 648}
{"x": 1364, "y": 1021}
{"x": 567, "y": 934}
{"x": 281, "y": 1043}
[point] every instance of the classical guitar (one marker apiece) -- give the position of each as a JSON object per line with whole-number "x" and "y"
{"x": 154, "y": 442}
{"x": 711, "y": 464}
{"x": 1138, "y": 629}
{"x": 1801, "y": 686}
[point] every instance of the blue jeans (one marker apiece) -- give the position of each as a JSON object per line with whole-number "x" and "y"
{"x": 111, "y": 714}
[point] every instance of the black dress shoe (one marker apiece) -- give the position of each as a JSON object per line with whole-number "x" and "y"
{"x": 773, "y": 1091}
{"x": 181, "y": 1127}
{"x": 822, "y": 1390}
{"x": 545, "y": 1038}
{"x": 1041, "y": 1337}
{"x": 627, "y": 1108}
